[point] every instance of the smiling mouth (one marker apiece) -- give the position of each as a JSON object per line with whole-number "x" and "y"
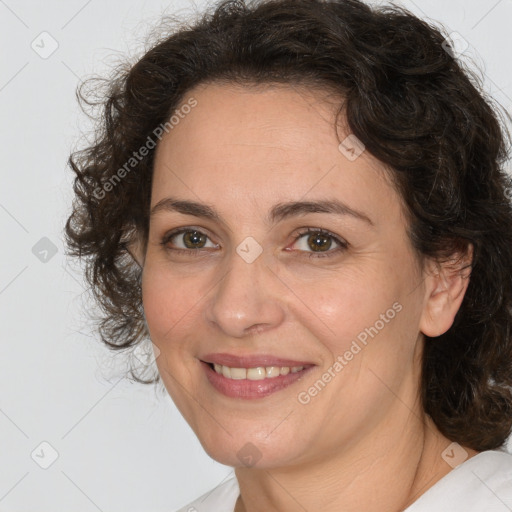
{"x": 255, "y": 373}
{"x": 254, "y": 382}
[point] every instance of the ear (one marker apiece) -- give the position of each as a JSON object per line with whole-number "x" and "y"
{"x": 446, "y": 285}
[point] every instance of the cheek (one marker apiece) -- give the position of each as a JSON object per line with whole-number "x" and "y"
{"x": 343, "y": 304}
{"x": 168, "y": 303}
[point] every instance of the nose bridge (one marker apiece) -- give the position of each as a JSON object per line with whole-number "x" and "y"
{"x": 245, "y": 297}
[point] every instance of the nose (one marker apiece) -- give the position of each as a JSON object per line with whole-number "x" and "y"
{"x": 247, "y": 299}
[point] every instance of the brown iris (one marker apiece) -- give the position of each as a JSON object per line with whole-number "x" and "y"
{"x": 194, "y": 239}
{"x": 318, "y": 242}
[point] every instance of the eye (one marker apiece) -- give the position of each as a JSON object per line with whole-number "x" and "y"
{"x": 314, "y": 241}
{"x": 319, "y": 243}
{"x": 187, "y": 240}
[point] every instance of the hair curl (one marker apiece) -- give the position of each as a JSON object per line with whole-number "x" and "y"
{"x": 416, "y": 109}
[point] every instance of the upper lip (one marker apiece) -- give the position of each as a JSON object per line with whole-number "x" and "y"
{"x": 251, "y": 361}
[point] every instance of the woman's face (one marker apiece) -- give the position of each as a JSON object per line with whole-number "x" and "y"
{"x": 242, "y": 178}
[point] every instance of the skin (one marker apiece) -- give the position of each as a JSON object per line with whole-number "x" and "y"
{"x": 363, "y": 442}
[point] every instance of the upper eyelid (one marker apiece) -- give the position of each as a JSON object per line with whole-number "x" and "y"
{"x": 185, "y": 229}
{"x": 301, "y": 232}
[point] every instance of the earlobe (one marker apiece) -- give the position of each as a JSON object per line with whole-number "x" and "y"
{"x": 446, "y": 286}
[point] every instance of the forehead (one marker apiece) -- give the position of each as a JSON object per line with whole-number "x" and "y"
{"x": 274, "y": 142}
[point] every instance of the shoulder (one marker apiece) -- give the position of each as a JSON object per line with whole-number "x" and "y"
{"x": 483, "y": 482}
{"x": 219, "y": 499}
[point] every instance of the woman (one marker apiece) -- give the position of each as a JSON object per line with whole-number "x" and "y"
{"x": 303, "y": 205}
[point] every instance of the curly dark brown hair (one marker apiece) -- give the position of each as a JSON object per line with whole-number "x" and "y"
{"x": 406, "y": 96}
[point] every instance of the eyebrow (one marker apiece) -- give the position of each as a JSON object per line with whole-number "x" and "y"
{"x": 278, "y": 212}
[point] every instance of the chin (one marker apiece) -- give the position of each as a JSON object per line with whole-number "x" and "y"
{"x": 247, "y": 451}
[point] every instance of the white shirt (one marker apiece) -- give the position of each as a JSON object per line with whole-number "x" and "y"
{"x": 482, "y": 483}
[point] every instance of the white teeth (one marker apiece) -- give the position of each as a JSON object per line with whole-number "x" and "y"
{"x": 272, "y": 371}
{"x": 237, "y": 373}
{"x": 258, "y": 373}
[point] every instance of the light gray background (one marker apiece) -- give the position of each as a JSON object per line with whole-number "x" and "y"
{"x": 120, "y": 446}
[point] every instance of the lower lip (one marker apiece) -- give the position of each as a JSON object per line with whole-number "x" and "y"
{"x": 249, "y": 389}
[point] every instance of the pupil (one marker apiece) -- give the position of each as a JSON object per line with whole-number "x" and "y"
{"x": 193, "y": 239}
{"x": 316, "y": 242}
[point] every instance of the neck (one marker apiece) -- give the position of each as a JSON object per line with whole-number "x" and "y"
{"x": 388, "y": 472}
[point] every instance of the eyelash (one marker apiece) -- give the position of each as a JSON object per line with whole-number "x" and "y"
{"x": 343, "y": 245}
